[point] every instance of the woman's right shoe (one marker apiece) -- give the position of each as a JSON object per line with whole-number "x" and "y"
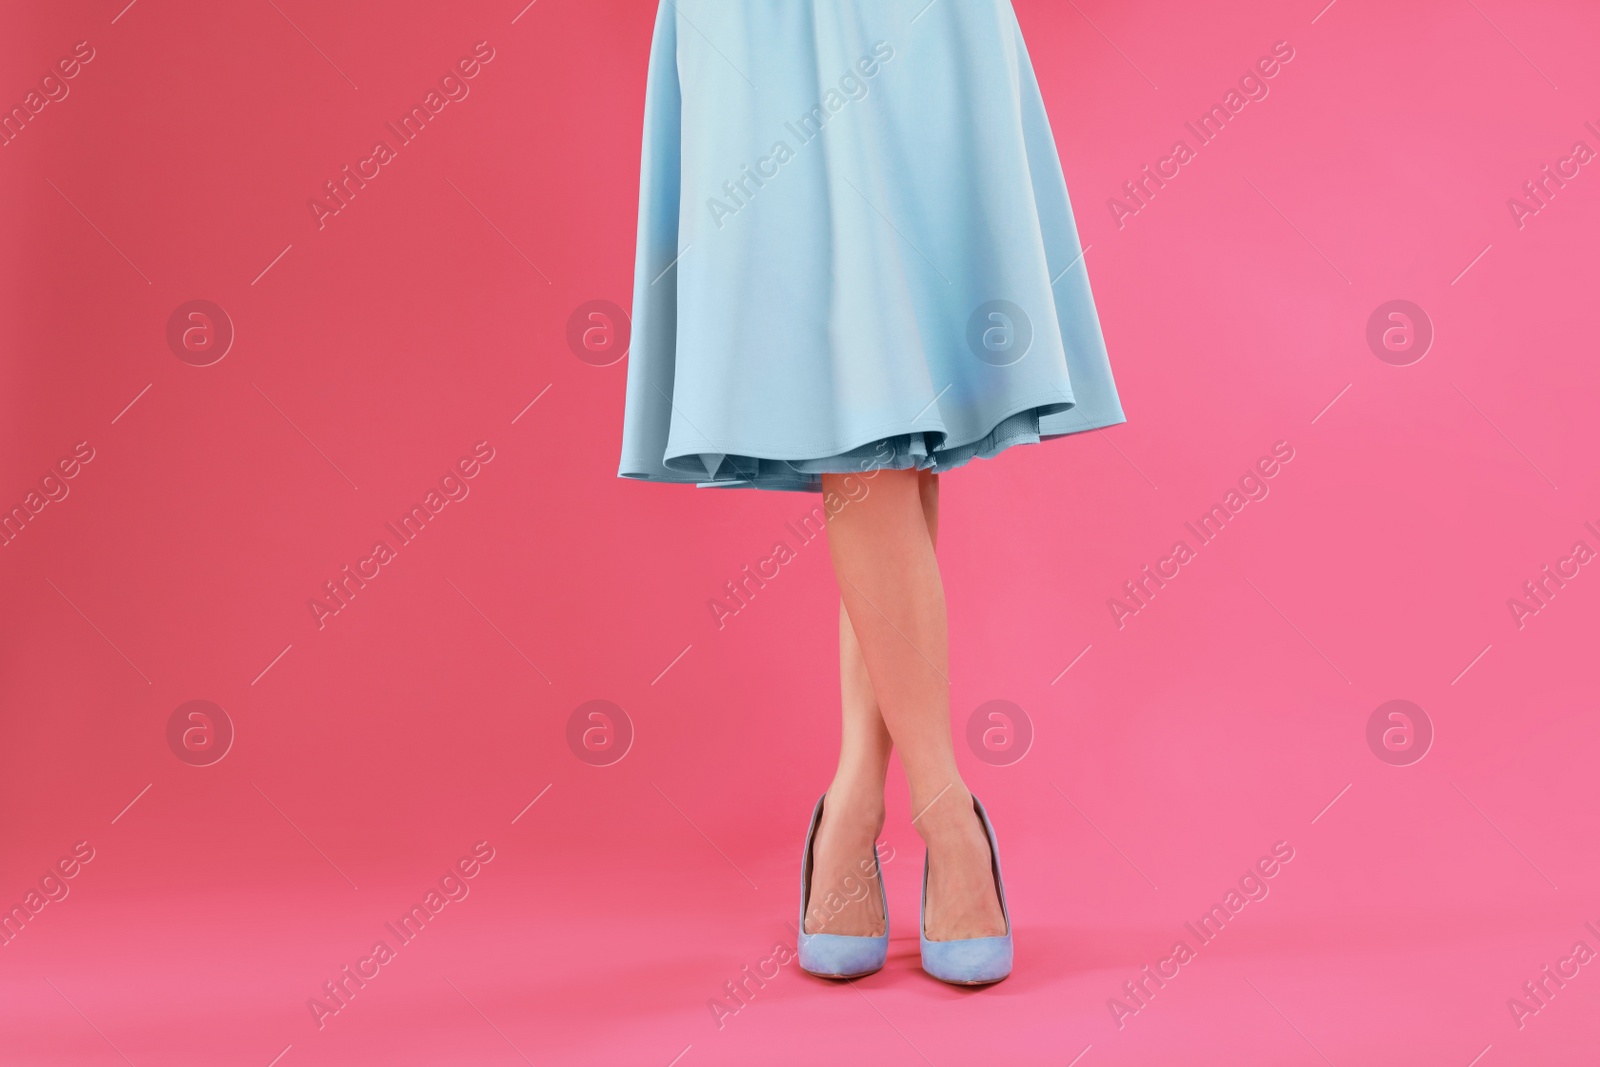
{"x": 838, "y": 955}
{"x": 970, "y": 960}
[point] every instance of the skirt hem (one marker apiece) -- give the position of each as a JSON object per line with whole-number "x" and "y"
{"x": 920, "y": 449}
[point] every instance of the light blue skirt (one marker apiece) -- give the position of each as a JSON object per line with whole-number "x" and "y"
{"x": 855, "y": 247}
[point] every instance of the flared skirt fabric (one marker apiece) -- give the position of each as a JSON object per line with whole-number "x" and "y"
{"x": 856, "y": 249}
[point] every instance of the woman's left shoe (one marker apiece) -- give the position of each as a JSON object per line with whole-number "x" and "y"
{"x": 838, "y": 955}
{"x": 969, "y": 960}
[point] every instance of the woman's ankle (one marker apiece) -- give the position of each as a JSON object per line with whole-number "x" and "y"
{"x": 946, "y": 813}
{"x": 855, "y": 808}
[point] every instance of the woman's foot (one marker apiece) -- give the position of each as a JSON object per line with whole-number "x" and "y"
{"x": 962, "y": 899}
{"x": 844, "y": 895}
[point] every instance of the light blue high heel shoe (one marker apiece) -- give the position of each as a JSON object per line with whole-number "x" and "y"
{"x": 838, "y": 955}
{"x": 970, "y": 960}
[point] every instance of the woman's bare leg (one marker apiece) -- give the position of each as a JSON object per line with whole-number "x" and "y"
{"x": 854, "y": 812}
{"x": 882, "y": 547}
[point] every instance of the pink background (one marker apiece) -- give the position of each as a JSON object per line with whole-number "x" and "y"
{"x": 372, "y": 753}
